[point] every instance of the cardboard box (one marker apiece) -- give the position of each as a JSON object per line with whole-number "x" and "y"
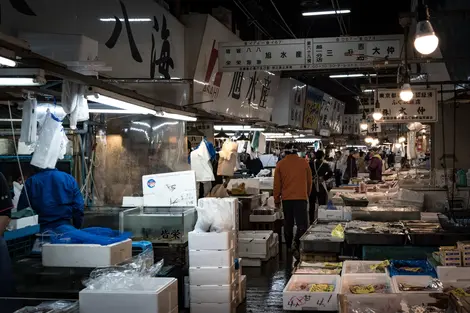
{"x": 450, "y": 256}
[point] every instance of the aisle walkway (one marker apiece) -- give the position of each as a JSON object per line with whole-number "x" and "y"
{"x": 265, "y": 285}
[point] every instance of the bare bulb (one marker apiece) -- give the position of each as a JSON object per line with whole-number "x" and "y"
{"x": 426, "y": 41}
{"x": 363, "y": 126}
{"x": 377, "y": 115}
{"x": 401, "y": 139}
{"x": 406, "y": 94}
{"x": 398, "y": 145}
{"x": 369, "y": 139}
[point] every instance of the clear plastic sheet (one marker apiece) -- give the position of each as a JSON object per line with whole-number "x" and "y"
{"x": 127, "y": 276}
{"x": 52, "y": 307}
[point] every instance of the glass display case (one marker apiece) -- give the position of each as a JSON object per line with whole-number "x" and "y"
{"x": 158, "y": 225}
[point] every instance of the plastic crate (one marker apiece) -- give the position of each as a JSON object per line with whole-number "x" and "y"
{"x": 20, "y": 247}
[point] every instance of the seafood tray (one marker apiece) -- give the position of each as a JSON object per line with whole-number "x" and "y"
{"x": 375, "y": 233}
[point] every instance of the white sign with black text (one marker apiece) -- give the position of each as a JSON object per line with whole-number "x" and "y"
{"x": 301, "y": 54}
{"x": 422, "y": 108}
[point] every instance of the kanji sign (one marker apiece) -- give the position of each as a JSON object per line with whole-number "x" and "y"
{"x": 422, "y": 108}
{"x": 301, "y": 54}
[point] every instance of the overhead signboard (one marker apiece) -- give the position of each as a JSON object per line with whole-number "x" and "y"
{"x": 302, "y": 54}
{"x": 422, "y": 108}
{"x": 312, "y": 108}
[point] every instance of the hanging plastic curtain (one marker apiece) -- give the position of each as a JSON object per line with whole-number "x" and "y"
{"x": 74, "y": 103}
{"x": 29, "y": 122}
{"x": 49, "y": 143}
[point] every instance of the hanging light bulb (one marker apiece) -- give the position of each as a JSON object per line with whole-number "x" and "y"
{"x": 406, "y": 94}
{"x": 369, "y": 139}
{"x": 364, "y": 125}
{"x": 401, "y": 139}
{"x": 377, "y": 115}
{"x": 398, "y": 145}
{"x": 426, "y": 41}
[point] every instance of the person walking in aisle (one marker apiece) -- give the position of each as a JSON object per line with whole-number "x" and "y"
{"x": 292, "y": 185}
{"x": 375, "y": 166}
{"x": 351, "y": 166}
{"x": 321, "y": 173}
{"x": 337, "y": 168}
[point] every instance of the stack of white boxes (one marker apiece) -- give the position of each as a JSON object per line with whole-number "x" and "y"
{"x": 215, "y": 284}
{"x": 212, "y": 276}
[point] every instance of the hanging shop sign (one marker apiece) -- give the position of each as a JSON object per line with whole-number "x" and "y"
{"x": 239, "y": 94}
{"x": 302, "y": 54}
{"x": 289, "y": 103}
{"x": 313, "y": 103}
{"x": 351, "y": 124}
{"x": 422, "y": 108}
{"x": 337, "y": 116}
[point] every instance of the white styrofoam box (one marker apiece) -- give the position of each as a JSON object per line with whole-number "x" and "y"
{"x": 211, "y": 258}
{"x": 351, "y": 280}
{"x": 252, "y": 185}
{"x": 86, "y": 255}
{"x": 263, "y": 218}
{"x": 174, "y": 189}
{"x": 62, "y": 47}
{"x": 154, "y": 295}
{"x": 266, "y": 183}
{"x": 210, "y": 241}
{"x": 247, "y": 262}
{"x": 429, "y": 217}
{"x": 254, "y": 244}
{"x": 130, "y": 202}
{"x": 373, "y": 303}
{"x": 411, "y": 196}
{"x": 211, "y": 275}
{"x": 213, "y": 293}
{"x": 330, "y": 215}
{"x": 186, "y": 292}
{"x": 23, "y": 222}
{"x": 412, "y": 280}
{"x": 314, "y": 301}
{"x": 452, "y": 273}
{"x": 347, "y": 213}
{"x": 214, "y": 307}
{"x": 351, "y": 267}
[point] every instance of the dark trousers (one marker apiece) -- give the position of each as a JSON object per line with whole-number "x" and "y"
{"x": 321, "y": 195}
{"x": 7, "y": 284}
{"x": 338, "y": 178}
{"x": 294, "y": 210}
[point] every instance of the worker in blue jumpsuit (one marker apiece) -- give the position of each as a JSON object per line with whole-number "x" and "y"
{"x": 7, "y": 286}
{"x": 55, "y": 197}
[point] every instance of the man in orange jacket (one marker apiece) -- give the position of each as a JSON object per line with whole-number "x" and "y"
{"x": 292, "y": 186}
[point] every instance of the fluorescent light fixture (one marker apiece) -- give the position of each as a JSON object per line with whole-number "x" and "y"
{"x": 7, "y": 62}
{"x": 368, "y": 90}
{"x": 132, "y": 20}
{"x": 114, "y": 111}
{"x": 331, "y": 12}
{"x": 22, "y": 77}
{"x": 21, "y": 81}
{"x": 123, "y": 105}
{"x": 175, "y": 116}
{"x": 10, "y": 120}
{"x": 306, "y": 140}
{"x": 237, "y": 128}
{"x": 355, "y": 75}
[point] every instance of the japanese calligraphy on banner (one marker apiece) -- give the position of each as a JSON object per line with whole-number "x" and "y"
{"x": 301, "y": 54}
{"x": 351, "y": 124}
{"x": 289, "y": 103}
{"x": 338, "y": 116}
{"x": 313, "y": 104}
{"x": 240, "y": 94}
{"x": 422, "y": 108}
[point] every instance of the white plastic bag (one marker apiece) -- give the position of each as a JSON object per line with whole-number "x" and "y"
{"x": 29, "y": 122}
{"x": 74, "y": 102}
{"x": 48, "y": 143}
{"x": 216, "y": 214}
{"x": 17, "y": 188}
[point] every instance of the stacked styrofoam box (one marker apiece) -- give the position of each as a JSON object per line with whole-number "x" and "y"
{"x": 151, "y": 295}
{"x": 257, "y": 246}
{"x": 212, "y": 276}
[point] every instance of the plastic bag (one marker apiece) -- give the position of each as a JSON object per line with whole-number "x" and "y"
{"x": 49, "y": 142}
{"x": 74, "y": 102}
{"x": 67, "y": 234}
{"x": 29, "y": 122}
{"x": 338, "y": 232}
{"x": 17, "y": 187}
{"x": 125, "y": 277}
{"x": 216, "y": 214}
